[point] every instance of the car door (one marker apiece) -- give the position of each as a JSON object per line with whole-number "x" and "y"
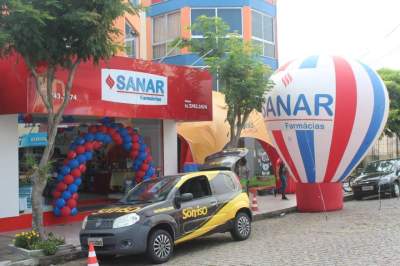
{"x": 224, "y": 189}
{"x": 194, "y": 214}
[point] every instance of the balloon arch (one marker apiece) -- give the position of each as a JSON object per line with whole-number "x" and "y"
{"x": 81, "y": 150}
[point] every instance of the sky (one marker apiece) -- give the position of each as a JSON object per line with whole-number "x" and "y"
{"x": 366, "y": 30}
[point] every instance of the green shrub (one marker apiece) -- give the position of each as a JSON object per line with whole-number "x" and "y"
{"x": 49, "y": 247}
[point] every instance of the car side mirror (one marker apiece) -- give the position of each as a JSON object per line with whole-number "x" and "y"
{"x": 186, "y": 197}
{"x": 183, "y": 198}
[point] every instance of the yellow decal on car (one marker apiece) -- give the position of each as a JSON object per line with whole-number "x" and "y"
{"x": 194, "y": 212}
{"x": 163, "y": 209}
{"x": 119, "y": 209}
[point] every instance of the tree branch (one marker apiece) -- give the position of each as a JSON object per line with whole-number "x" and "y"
{"x": 37, "y": 83}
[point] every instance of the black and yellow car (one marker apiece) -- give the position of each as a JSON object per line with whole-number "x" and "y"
{"x": 158, "y": 214}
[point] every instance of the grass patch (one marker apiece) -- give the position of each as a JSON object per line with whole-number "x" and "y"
{"x": 268, "y": 181}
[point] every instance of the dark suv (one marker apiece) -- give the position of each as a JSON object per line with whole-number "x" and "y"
{"x": 157, "y": 214}
{"x": 378, "y": 177}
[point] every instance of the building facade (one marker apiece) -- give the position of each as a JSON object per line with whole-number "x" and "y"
{"x": 149, "y": 36}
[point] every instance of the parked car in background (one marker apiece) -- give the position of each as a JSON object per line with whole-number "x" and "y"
{"x": 378, "y": 177}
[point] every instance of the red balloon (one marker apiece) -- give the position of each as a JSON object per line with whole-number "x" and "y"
{"x": 76, "y": 173}
{"x": 97, "y": 145}
{"x": 148, "y": 159}
{"x": 92, "y": 129}
{"x": 154, "y": 177}
{"x": 89, "y": 146}
{"x": 140, "y": 174}
{"x": 135, "y": 138}
{"x": 136, "y": 146}
{"x": 144, "y": 167}
{"x": 71, "y": 155}
{"x": 103, "y": 129}
{"x": 71, "y": 203}
{"x": 130, "y": 130}
{"x": 68, "y": 179}
{"x": 82, "y": 168}
{"x": 65, "y": 211}
{"x": 56, "y": 194}
{"x": 66, "y": 161}
{"x": 118, "y": 141}
{"x": 111, "y": 130}
{"x": 61, "y": 186}
{"x": 75, "y": 196}
{"x": 133, "y": 154}
{"x": 80, "y": 149}
{"x": 147, "y": 149}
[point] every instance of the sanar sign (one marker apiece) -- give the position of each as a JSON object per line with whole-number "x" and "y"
{"x": 132, "y": 87}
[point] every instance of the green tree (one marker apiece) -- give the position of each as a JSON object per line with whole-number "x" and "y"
{"x": 237, "y": 64}
{"x": 57, "y": 34}
{"x": 392, "y": 81}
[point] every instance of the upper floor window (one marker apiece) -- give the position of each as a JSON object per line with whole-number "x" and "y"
{"x": 231, "y": 16}
{"x": 263, "y": 32}
{"x": 131, "y": 46}
{"x": 166, "y": 28}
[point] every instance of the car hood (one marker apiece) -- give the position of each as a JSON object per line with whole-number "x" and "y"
{"x": 372, "y": 176}
{"x": 117, "y": 210}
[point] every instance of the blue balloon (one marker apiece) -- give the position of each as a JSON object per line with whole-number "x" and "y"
{"x": 151, "y": 171}
{"x": 81, "y": 158}
{"x": 124, "y": 131}
{"x": 78, "y": 181}
{"x": 136, "y": 167}
{"x": 73, "y": 164}
{"x": 127, "y": 138}
{"x": 114, "y": 125}
{"x": 142, "y": 156}
{"x": 98, "y": 136}
{"x": 142, "y": 148}
{"x": 65, "y": 170}
{"x": 57, "y": 211}
{"x": 127, "y": 146}
{"x": 89, "y": 137}
{"x": 60, "y": 177}
{"x": 60, "y": 203}
{"x": 88, "y": 155}
{"x": 80, "y": 141}
{"x": 105, "y": 119}
{"x": 72, "y": 188}
{"x": 74, "y": 211}
{"x": 107, "y": 139}
{"x": 66, "y": 195}
{"x": 73, "y": 146}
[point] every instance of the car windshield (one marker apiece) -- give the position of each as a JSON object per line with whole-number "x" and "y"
{"x": 151, "y": 191}
{"x": 379, "y": 166}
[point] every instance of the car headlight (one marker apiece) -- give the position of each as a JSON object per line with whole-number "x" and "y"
{"x": 84, "y": 223}
{"x": 126, "y": 220}
{"x": 384, "y": 180}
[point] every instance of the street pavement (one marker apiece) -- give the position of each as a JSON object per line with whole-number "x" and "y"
{"x": 361, "y": 234}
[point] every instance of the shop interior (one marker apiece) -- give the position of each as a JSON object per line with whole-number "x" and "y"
{"x": 108, "y": 174}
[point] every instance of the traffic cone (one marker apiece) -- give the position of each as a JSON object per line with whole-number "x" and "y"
{"x": 92, "y": 259}
{"x": 254, "y": 205}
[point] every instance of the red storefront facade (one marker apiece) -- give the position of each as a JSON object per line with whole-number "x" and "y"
{"x": 120, "y": 88}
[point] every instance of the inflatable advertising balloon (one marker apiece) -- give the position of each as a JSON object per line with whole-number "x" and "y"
{"x": 323, "y": 114}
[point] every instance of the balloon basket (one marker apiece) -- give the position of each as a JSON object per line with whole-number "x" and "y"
{"x": 319, "y": 197}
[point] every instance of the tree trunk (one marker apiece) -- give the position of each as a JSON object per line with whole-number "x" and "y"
{"x": 54, "y": 118}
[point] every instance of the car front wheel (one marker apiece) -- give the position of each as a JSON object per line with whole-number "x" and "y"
{"x": 160, "y": 246}
{"x": 242, "y": 227}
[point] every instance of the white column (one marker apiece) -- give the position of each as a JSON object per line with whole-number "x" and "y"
{"x": 9, "y": 175}
{"x": 170, "y": 147}
{"x": 143, "y": 36}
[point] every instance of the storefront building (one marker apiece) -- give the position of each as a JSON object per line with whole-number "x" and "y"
{"x": 147, "y": 96}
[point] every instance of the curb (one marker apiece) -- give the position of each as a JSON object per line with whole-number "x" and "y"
{"x": 273, "y": 214}
{"x": 278, "y": 213}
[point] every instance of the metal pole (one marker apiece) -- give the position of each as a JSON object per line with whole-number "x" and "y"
{"x": 170, "y": 51}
